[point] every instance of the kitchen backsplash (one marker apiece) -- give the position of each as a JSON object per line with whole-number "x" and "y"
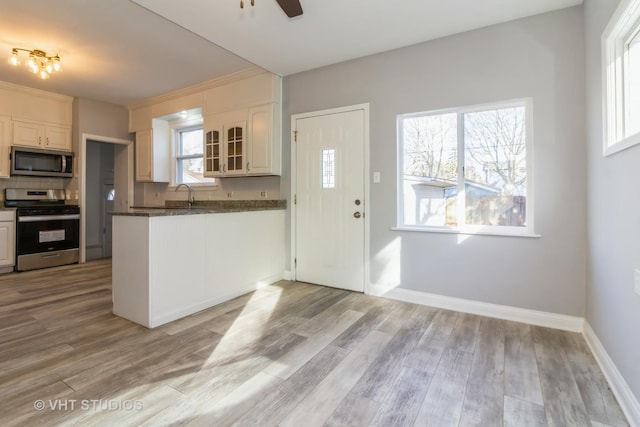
{"x": 34, "y": 182}
{"x": 246, "y": 188}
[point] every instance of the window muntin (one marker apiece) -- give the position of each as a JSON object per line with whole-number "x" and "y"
{"x": 620, "y": 70}
{"x": 467, "y": 169}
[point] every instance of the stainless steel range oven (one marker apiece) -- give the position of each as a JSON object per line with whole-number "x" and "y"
{"x": 47, "y": 229}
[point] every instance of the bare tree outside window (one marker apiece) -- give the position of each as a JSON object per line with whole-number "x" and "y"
{"x": 495, "y": 167}
{"x": 430, "y": 168}
{"x": 492, "y": 146}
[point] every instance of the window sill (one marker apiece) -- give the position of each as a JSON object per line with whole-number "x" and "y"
{"x": 623, "y": 144}
{"x": 467, "y": 232}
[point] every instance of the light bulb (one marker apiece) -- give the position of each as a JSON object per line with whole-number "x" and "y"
{"x": 32, "y": 62}
{"x": 56, "y": 63}
{"x": 49, "y": 68}
{"x": 14, "y": 58}
{"x": 43, "y": 74}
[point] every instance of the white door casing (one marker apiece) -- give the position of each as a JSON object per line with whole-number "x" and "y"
{"x": 329, "y": 218}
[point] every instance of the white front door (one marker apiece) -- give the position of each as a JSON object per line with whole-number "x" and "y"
{"x": 329, "y": 192}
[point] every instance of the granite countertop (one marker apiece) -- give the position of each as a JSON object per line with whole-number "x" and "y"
{"x": 176, "y": 207}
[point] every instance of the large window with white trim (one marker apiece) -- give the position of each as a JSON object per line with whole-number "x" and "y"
{"x": 467, "y": 169}
{"x": 621, "y": 78}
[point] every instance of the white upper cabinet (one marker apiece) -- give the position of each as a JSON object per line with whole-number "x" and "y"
{"x": 144, "y": 155}
{"x": 225, "y": 144}
{"x": 34, "y": 134}
{"x": 38, "y": 118}
{"x": 57, "y": 137}
{"x": 152, "y": 153}
{"x": 5, "y": 146}
{"x": 264, "y": 140}
{"x": 242, "y": 126}
{"x": 260, "y": 89}
{"x": 243, "y": 142}
{"x": 28, "y": 134}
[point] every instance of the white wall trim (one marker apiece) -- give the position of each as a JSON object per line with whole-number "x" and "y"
{"x": 36, "y": 92}
{"x": 628, "y": 402}
{"x": 199, "y": 87}
{"x": 523, "y": 315}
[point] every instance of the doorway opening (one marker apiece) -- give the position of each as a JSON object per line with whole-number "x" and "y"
{"x": 100, "y": 192}
{"x": 105, "y": 185}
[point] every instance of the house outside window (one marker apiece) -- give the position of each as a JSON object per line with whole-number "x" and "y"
{"x": 621, "y": 78}
{"x": 467, "y": 169}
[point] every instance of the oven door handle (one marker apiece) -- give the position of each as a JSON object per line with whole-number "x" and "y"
{"x": 42, "y": 218}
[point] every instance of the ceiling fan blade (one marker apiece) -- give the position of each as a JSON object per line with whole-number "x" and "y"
{"x": 291, "y": 7}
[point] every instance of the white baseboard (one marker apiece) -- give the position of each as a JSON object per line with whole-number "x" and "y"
{"x": 628, "y": 402}
{"x": 523, "y": 315}
{"x": 288, "y": 275}
{"x": 8, "y": 269}
{"x": 268, "y": 281}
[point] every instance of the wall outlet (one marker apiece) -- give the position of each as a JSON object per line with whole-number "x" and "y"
{"x": 637, "y": 281}
{"x": 230, "y": 194}
{"x": 263, "y": 194}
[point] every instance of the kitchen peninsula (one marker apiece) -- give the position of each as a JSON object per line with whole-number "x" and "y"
{"x": 175, "y": 261}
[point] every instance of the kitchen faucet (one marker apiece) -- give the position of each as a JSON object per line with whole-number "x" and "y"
{"x": 189, "y": 196}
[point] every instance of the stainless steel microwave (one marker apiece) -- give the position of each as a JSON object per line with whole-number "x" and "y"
{"x": 37, "y": 162}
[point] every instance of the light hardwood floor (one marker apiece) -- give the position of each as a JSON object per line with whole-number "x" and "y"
{"x": 291, "y": 354}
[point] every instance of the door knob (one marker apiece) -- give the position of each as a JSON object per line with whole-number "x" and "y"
{"x": 357, "y": 215}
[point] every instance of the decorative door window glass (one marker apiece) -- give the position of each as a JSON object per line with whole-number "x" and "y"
{"x": 328, "y": 168}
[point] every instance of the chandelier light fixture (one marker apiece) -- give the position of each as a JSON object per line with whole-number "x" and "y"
{"x": 38, "y": 63}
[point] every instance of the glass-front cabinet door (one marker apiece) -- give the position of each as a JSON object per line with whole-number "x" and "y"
{"x": 235, "y": 149}
{"x": 213, "y": 158}
{"x": 225, "y": 144}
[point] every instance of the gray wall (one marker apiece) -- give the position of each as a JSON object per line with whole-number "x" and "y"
{"x": 97, "y": 118}
{"x": 539, "y": 57}
{"x": 613, "y": 309}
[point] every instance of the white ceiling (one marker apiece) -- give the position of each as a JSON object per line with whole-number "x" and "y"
{"x": 120, "y": 52}
{"x": 332, "y": 31}
{"x": 111, "y": 50}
